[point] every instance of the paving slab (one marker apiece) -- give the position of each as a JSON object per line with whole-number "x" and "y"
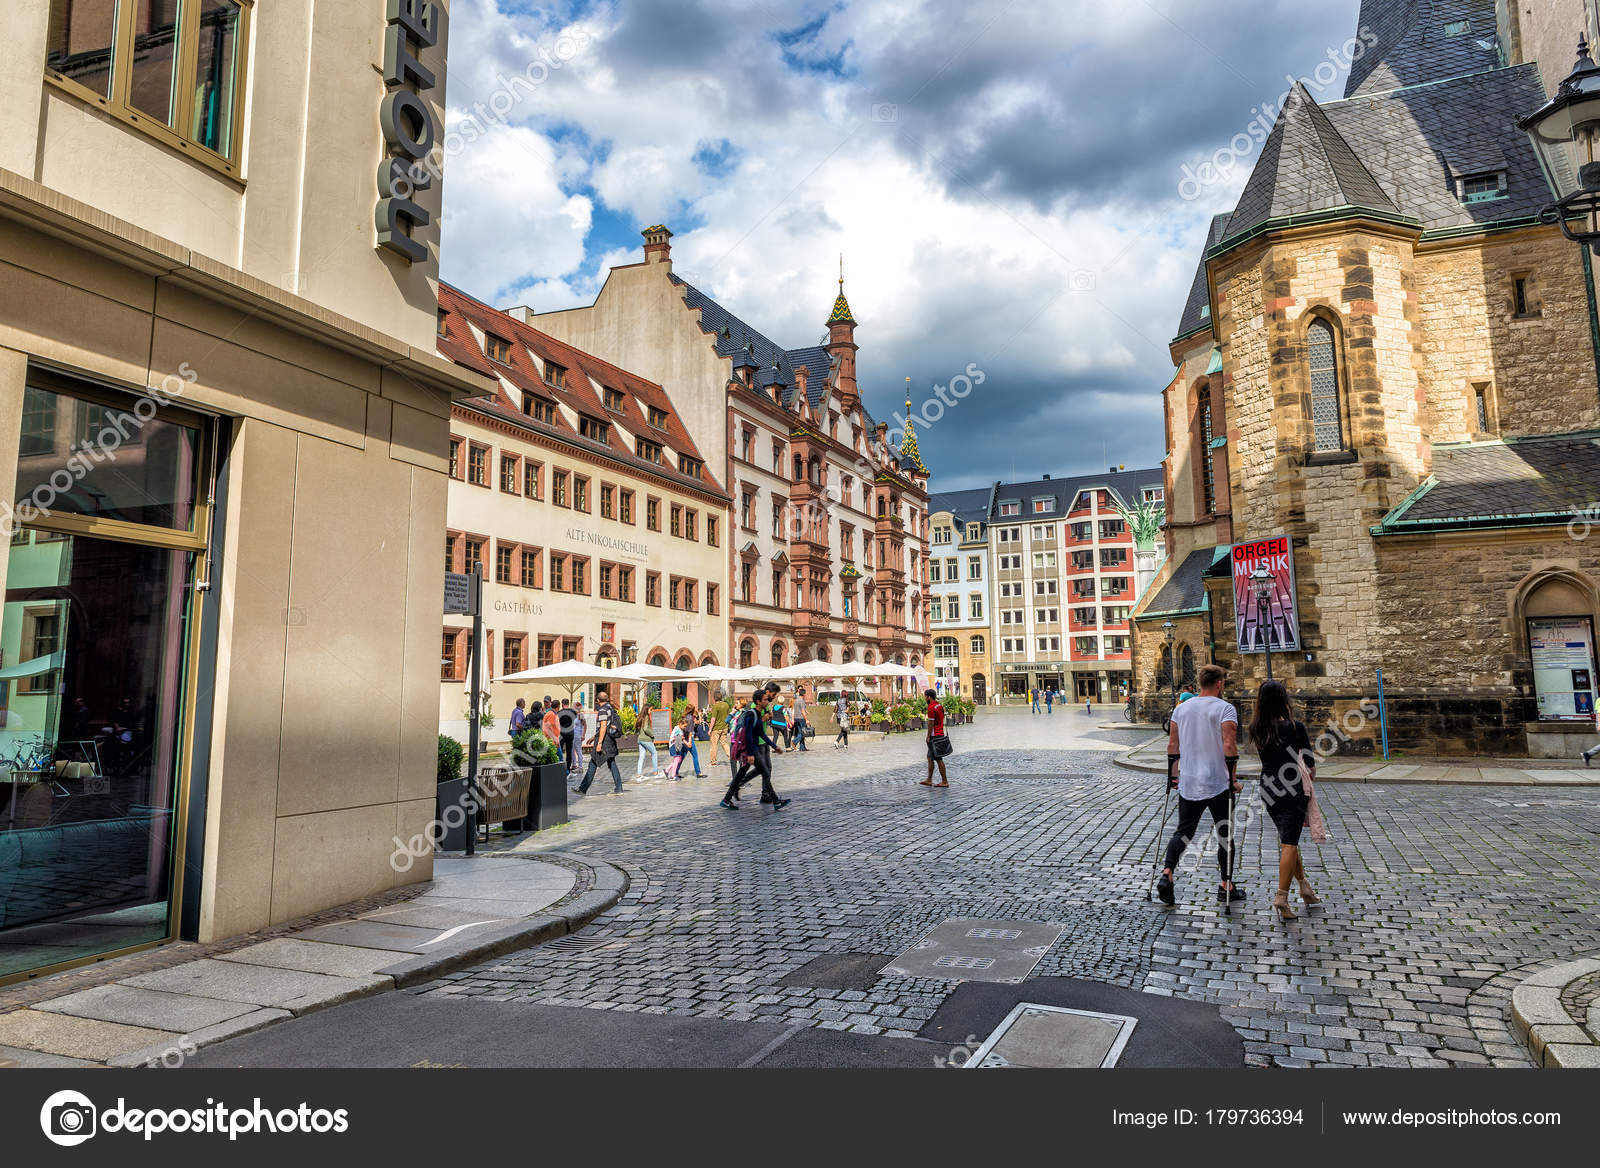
{"x": 232, "y": 981}
{"x": 15, "y": 1057}
{"x": 313, "y": 957}
{"x": 483, "y": 909}
{"x": 172, "y": 1055}
{"x": 153, "y": 1009}
{"x": 81, "y": 1038}
{"x": 426, "y": 916}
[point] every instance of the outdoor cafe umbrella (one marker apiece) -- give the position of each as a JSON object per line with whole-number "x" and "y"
{"x": 569, "y": 675}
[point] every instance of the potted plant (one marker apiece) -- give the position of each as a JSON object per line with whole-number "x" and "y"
{"x": 880, "y": 714}
{"x": 451, "y": 792}
{"x": 899, "y": 715}
{"x": 547, "y": 793}
{"x": 630, "y": 730}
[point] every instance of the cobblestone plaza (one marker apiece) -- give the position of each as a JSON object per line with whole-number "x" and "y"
{"x": 1438, "y": 899}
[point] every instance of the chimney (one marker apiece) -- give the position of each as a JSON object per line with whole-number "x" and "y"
{"x": 656, "y": 247}
{"x": 1046, "y": 478}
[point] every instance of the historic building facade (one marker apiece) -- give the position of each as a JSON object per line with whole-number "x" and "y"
{"x": 959, "y": 579}
{"x": 1065, "y": 578}
{"x": 827, "y": 556}
{"x": 226, "y": 431}
{"x": 578, "y": 494}
{"x": 1387, "y": 360}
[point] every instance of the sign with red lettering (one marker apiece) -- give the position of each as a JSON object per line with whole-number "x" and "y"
{"x": 1269, "y": 620}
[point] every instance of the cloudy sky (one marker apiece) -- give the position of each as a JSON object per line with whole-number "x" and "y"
{"x": 1006, "y": 182}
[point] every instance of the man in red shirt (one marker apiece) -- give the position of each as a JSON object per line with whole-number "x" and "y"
{"x": 935, "y": 735}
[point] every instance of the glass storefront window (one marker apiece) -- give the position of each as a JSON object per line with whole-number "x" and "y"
{"x": 92, "y": 640}
{"x": 78, "y": 457}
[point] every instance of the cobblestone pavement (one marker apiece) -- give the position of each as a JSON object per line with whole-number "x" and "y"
{"x": 1434, "y": 897}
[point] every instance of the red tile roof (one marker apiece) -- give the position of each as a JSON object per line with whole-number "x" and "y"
{"x": 584, "y": 371}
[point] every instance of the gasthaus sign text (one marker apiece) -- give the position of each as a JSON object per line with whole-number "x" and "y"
{"x": 1274, "y": 623}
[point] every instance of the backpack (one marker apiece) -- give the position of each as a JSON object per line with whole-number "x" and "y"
{"x": 739, "y": 744}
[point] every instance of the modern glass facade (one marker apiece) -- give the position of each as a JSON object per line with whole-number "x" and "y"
{"x": 103, "y": 553}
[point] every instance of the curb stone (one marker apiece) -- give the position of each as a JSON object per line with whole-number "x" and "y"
{"x": 1554, "y": 1036}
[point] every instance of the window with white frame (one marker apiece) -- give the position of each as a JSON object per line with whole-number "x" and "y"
{"x": 974, "y": 568}
{"x": 1043, "y": 560}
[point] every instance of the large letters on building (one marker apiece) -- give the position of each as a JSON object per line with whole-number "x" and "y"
{"x": 1276, "y": 624}
{"x": 408, "y": 129}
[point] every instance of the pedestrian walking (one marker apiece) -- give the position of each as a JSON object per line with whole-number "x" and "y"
{"x": 800, "y": 716}
{"x": 1033, "y": 696}
{"x": 1288, "y": 767}
{"x": 551, "y": 722}
{"x": 565, "y": 717}
{"x": 580, "y": 727}
{"x": 753, "y": 745}
{"x": 1049, "y": 701}
{"x": 607, "y": 731}
{"x": 778, "y": 718}
{"x": 841, "y": 715}
{"x": 938, "y": 743}
{"x": 691, "y": 719}
{"x": 519, "y": 716}
{"x": 720, "y": 713}
{"x": 1204, "y": 745}
{"x": 647, "y": 744}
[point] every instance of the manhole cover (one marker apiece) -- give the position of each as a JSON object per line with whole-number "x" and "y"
{"x": 580, "y": 944}
{"x": 977, "y": 950}
{"x": 1054, "y": 1036}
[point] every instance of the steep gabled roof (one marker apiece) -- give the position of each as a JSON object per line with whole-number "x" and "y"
{"x": 1306, "y": 166}
{"x": 1197, "y": 309}
{"x": 965, "y": 506}
{"x": 584, "y": 371}
{"x": 1417, "y": 41}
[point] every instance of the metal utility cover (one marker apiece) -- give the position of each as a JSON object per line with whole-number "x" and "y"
{"x": 1054, "y": 1036}
{"x": 970, "y": 949}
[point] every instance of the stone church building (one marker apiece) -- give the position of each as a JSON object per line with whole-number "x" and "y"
{"x": 1387, "y": 359}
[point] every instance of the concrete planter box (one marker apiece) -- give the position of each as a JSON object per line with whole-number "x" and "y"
{"x": 455, "y": 827}
{"x": 547, "y": 801}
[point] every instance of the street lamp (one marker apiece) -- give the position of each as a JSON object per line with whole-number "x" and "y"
{"x": 1261, "y": 585}
{"x": 1565, "y": 133}
{"x": 1172, "y": 661}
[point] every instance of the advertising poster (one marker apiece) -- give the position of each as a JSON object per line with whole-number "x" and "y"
{"x": 1278, "y": 626}
{"x": 1562, "y": 649}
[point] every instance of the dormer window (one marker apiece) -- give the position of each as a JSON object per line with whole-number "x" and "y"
{"x": 649, "y": 451}
{"x": 439, "y": 329}
{"x": 555, "y": 375}
{"x": 594, "y": 429}
{"x": 1011, "y": 508}
{"x": 658, "y": 418}
{"x": 1481, "y": 188}
{"x": 692, "y": 467}
{"x": 1044, "y": 506}
{"x": 539, "y": 409}
{"x": 973, "y": 532}
{"x": 1455, "y": 28}
{"x": 613, "y": 398}
{"x": 498, "y": 348}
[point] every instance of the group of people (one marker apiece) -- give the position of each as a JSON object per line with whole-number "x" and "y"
{"x": 1202, "y": 767}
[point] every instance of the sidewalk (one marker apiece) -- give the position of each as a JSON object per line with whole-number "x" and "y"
{"x": 473, "y": 908}
{"x": 1511, "y": 772}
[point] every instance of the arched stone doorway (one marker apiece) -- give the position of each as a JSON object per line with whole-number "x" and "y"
{"x": 980, "y": 689}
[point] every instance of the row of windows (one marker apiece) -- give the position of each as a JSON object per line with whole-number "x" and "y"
{"x": 523, "y": 476}
{"x": 949, "y": 569}
{"x": 1081, "y": 646}
{"x": 532, "y": 567}
{"x": 947, "y": 646}
{"x": 949, "y": 607}
{"x": 1078, "y": 532}
{"x": 456, "y": 646}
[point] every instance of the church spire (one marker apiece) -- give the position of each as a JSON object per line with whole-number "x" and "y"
{"x": 841, "y": 306}
{"x": 909, "y": 454}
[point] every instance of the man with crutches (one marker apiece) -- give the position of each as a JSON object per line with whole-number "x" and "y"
{"x": 1203, "y": 744}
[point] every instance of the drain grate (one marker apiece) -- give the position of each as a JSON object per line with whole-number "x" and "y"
{"x": 995, "y": 934}
{"x": 952, "y": 961}
{"x": 582, "y": 944}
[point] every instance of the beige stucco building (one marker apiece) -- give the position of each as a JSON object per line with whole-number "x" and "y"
{"x": 578, "y": 493}
{"x": 829, "y": 557}
{"x": 1390, "y": 362}
{"x": 227, "y": 427}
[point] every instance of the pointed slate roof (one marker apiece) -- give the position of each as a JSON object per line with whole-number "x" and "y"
{"x": 1197, "y": 309}
{"x": 1421, "y": 40}
{"x": 1306, "y": 166}
{"x": 910, "y": 459}
{"x": 841, "y": 309}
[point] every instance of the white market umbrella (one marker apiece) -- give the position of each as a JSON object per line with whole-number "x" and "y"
{"x": 707, "y": 673}
{"x": 643, "y": 671}
{"x": 810, "y": 671}
{"x": 569, "y": 675}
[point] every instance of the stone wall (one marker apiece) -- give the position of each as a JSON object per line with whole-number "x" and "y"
{"x": 1539, "y": 368}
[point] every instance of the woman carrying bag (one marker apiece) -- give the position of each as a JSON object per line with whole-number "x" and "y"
{"x": 1288, "y": 766}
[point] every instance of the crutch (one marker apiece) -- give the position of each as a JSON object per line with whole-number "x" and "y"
{"x": 1155, "y": 865}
